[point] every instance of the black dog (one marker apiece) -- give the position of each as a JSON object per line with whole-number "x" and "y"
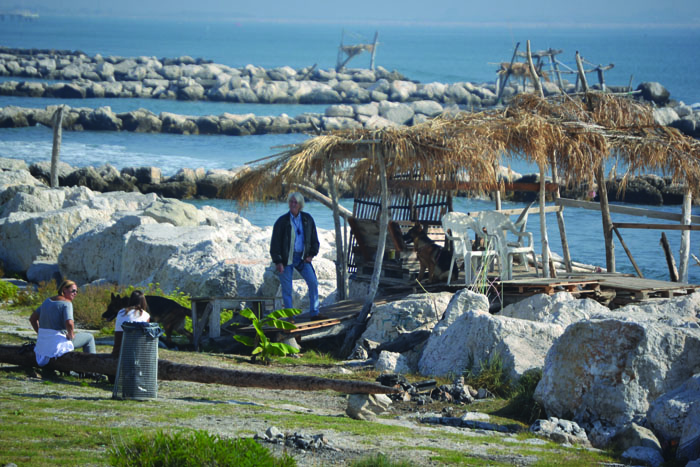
{"x": 168, "y": 313}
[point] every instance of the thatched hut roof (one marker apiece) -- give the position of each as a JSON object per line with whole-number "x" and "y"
{"x": 577, "y": 134}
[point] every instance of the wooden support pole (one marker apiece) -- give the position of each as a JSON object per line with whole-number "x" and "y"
{"x": 361, "y": 322}
{"x": 374, "y": 50}
{"x": 105, "y": 363}
{"x": 581, "y": 73}
{"x": 672, "y": 271}
{"x": 629, "y": 253}
{"x": 505, "y": 79}
{"x": 56, "y": 149}
{"x": 543, "y": 220}
{"x": 560, "y": 218}
{"x": 607, "y": 220}
{"x": 341, "y": 269}
{"x": 535, "y": 77}
{"x": 555, "y": 68}
{"x": 685, "y": 236}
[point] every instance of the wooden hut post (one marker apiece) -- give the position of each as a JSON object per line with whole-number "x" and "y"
{"x": 360, "y": 323}
{"x": 341, "y": 269}
{"x": 543, "y": 223}
{"x": 607, "y": 220}
{"x": 543, "y": 182}
{"x": 560, "y": 218}
{"x": 533, "y": 73}
{"x": 374, "y": 50}
{"x": 685, "y": 237}
{"x": 56, "y": 149}
{"x": 602, "y": 190}
{"x": 503, "y": 83}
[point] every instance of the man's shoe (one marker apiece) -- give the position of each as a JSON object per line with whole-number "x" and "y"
{"x": 317, "y": 317}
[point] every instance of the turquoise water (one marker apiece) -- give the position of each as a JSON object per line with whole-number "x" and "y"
{"x": 425, "y": 54}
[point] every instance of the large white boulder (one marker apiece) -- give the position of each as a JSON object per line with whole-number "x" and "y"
{"x": 9, "y": 178}
{"x": 668, "y": 415}
{"x": 105, "y": 242}
{"x": 560, "y": 308}
{"x": 27, "y": 237}
{"x": 478, "y": 337}
{"x": 606, "y": 372}
{"x": 389, "y": 320}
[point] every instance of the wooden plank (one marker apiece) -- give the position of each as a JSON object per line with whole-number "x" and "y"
{"x": 635, "y": 225}
{"x": 616, "y": 208}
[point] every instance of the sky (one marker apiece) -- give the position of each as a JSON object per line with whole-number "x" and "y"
{"x": 590, "y": 12}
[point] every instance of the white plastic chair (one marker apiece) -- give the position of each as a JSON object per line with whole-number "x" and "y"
{"x": 456, "y": 226}
{"x": 499, "y": 225}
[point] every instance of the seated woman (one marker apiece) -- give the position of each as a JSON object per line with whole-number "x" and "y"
{"x": 53, "y": 322}
{"x": 135, "y": 312}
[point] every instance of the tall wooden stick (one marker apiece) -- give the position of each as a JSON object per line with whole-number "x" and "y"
{"x": 341, "y": 269}
{"x": 533, "y": 73}
{"x": 56, "y": 150}
{"x": 602, "y": 188}
{"x": 560, "y": 218}
{"x": 672, "y": 271}
{"x": 543, "y": 224}
{"x": 685, "y": 237}
{"x": 629, "y": 253}
{"x": 354, "y": 332}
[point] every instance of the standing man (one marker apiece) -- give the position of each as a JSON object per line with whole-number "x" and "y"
{"x": 293, "y": 246}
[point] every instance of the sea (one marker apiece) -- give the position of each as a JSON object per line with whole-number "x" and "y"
{"x": 424, "y": 53}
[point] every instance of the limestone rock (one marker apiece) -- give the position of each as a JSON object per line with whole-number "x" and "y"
{"x": 668, "y": 413}
{"x": 560, "y": 431}
{"x": 560, "y": 308}
{"x": 413, "y": 312}
{"x": 608, "y": 371}
{"x": 476, "y": 337}
{"x": 639, "y": 455}
{"x": 367, "y": 406}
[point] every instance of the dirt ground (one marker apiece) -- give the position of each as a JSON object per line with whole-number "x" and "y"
{"x": 234, "y": 411}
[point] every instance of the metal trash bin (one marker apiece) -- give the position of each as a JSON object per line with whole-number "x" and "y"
{"x": 137, "y": 371}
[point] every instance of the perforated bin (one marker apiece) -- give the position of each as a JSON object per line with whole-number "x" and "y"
{"x": 137, "y": 372}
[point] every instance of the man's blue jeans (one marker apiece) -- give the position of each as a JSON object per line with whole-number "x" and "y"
{"x": 307, "y": 272}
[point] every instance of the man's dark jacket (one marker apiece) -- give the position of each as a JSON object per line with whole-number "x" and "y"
{"x": 282, "y": 238}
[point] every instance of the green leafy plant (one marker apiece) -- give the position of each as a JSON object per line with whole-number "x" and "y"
{"x": 194, "y": 449}
{"x": 8, "y": 290}
{"x": 490, "y": 375}
{"x": 263, "y": 346}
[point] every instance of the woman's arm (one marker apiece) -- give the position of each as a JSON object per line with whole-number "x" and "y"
{"x": 34, "y": 320}
{"x": 70, "y": 329}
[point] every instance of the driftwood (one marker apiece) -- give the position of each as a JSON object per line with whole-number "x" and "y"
{"x": 105, "y": 363}
{"x": 670, "y": 261}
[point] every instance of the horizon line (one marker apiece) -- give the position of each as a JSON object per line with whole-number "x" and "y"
{"x": 393, "y": 22}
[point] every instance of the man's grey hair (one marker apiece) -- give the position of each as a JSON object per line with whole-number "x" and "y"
{"x": 297, "y": 196}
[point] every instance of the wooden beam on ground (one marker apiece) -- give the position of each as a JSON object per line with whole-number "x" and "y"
{"x": 635, "y": 225}
{"x": 616, "y": 208}
{"x": 104, "y": 363}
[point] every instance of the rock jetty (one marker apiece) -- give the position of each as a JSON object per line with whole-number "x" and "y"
{"x": 356, "y": 97}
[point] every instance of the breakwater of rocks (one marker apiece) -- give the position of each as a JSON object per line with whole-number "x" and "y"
{"x": 199, "y": 183}
{"x": 355, "y": 97}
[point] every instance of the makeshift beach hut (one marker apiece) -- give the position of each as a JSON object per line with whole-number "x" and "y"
{"x": 574, "y": 136}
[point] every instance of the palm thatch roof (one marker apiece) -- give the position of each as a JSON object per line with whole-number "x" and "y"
{"x": 578, "y": 135}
